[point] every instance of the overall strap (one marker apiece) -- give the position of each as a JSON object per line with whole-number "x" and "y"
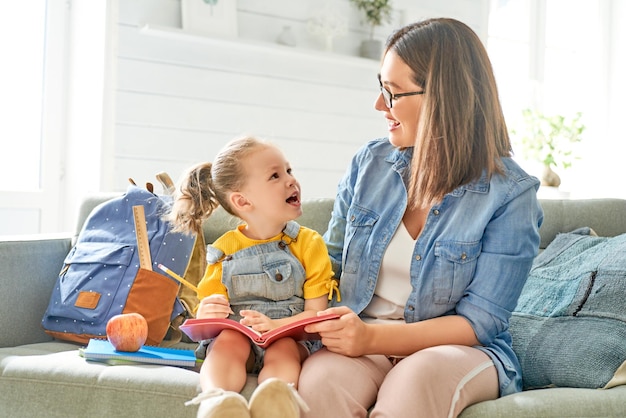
{"x": 213, "y": 254}
{"x": 292, "y": 229}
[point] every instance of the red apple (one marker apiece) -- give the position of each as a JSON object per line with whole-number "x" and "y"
{"x": 127, "y": 332}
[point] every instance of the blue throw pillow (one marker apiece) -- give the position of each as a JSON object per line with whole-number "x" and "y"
{"x": 569, "y": 326}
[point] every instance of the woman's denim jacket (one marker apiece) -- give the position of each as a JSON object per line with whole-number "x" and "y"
{"x": 472, "y": 257}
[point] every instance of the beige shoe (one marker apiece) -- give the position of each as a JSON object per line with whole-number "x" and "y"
{"x": 218, "y": 403}
{"x": 274, "y": 398}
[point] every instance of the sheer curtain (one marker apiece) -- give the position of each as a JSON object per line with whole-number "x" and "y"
{"x": 555, "y": 56}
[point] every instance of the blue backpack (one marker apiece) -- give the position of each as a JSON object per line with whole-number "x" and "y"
{"x": 102, "y": 275}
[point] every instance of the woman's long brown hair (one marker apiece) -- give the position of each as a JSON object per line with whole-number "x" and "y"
{"x": 462, "y": 132}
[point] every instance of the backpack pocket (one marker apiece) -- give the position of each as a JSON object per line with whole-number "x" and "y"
{"x": 161, "y": 293}
{"x": 87, "y": 285}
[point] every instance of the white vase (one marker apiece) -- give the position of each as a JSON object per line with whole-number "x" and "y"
{"x": 371, "y": 48}
{"x": 287, "y": 37}
{"x": 549, "y": 177}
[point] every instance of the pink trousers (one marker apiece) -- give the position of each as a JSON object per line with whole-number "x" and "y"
{"x": 435, "y": 382}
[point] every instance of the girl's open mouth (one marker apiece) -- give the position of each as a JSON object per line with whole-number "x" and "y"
{"x": 293, "y": 199}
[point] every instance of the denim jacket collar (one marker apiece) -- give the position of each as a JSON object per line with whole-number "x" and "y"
{"x": 400, "y": 158}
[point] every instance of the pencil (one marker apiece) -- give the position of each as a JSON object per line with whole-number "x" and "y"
{"x": 177, "y": 277}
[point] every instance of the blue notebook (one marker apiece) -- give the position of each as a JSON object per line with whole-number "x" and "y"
{"x": 103, "y": 351}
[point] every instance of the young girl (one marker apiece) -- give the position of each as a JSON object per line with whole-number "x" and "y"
{"x": 267, "y": 272}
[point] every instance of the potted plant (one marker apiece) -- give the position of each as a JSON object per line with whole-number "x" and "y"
{"x": 551, "y": 141}
{"x": 375, "y": 13}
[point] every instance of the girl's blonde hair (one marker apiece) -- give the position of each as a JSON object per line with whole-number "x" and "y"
{"x": 462, "y": 132}
{"x": 206, "y": 186}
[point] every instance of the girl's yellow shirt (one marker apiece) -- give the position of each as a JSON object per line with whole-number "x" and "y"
{"x": 308, "y": 247}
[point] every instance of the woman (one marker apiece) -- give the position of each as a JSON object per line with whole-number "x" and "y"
{"x": 433, "y": 233}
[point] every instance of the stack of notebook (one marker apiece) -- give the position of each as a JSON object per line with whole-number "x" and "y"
{"x": 103, "y": 351}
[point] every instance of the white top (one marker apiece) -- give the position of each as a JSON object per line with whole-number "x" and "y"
{"x": 394, "y": 285}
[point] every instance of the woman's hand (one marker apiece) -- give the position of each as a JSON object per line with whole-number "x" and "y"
{"x": 256, "y": 320}
{"x": 214, "y": 306}
{"x": 347, "y": 335}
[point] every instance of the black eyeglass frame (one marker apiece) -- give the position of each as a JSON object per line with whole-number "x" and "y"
{"x": 389, "y": 97}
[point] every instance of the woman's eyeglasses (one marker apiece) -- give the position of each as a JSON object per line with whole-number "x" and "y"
{"x": 388, "y": 96}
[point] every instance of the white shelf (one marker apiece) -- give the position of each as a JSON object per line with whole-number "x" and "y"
{"x": 247, "y": 45}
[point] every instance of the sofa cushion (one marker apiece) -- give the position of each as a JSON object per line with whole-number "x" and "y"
{"x": 52, "y": 379}
{"x": 66, "y": 383}
{"x": 569, "y": 326}
{"x": 553, "y": 403}
{"x": 606, "y": 216}
{"x": 29, "y": 266}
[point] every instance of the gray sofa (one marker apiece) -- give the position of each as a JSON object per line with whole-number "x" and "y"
{"x": 40, "y": 377}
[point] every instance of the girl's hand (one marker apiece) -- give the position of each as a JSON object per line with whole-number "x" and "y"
{"x": 256, "y": 320}
{"x": 214, "y": 306}
{"x": 347, "y": 335}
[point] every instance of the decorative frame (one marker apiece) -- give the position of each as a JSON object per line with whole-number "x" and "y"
{"x": 210, "y": 17}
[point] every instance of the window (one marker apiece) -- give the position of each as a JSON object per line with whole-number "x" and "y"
{"x": 32, "y": 40}
{"x": 550, "y": 55}
{"x": 22, "y": 87}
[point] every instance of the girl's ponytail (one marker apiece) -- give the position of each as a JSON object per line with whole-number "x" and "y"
{"x": 194, "y": 200}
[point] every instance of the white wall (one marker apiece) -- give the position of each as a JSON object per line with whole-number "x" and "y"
{"x": 172, "y": 99}
{"x": 85, "y": 83}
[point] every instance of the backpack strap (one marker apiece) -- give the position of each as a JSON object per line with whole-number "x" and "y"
{"x": 166, "y": 181}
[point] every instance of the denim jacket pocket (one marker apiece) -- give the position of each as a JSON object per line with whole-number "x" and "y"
{"x": 275, "y": 283}
{"x": 454, "y": 268}
{"x": 360, "y": 222}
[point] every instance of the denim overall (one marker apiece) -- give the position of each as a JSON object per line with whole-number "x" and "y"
{"x": 266, "y": 278}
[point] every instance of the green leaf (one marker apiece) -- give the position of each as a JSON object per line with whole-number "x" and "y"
{"x": 550, "y": 139}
